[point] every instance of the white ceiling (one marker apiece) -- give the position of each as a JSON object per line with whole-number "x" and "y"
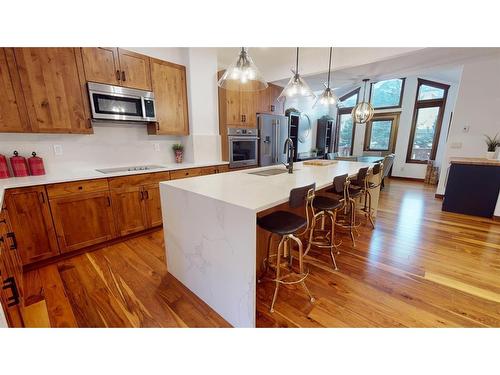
{"x": 351, "y": 65}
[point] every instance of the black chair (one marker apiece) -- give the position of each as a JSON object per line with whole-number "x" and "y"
{"x": 286, "y": 224}
{"x": 324, "y": 207}
{"x": 376, "y": 172}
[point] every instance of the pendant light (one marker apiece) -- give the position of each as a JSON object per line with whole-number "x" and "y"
{"x": 362, "y": 112}
{"x": 243, "y": 75}
{"x": 327, "y": 97}
{"x": 296, "y": 86}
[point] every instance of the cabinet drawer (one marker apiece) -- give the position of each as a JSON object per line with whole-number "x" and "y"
{"x": 158, "y": 177}
{"x": 183, "y": 173}
{"x": 68, "y": 188}
{"x": 127, "y": 182}
{"x": 209, "y": 170}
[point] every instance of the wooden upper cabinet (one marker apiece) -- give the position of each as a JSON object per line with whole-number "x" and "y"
{"x": 101, "y": 65}
{"x": 275, "y": 107}
{"x": 31, "y": 222}
{"x": 53, "y": 84}
{"x": 169, "y": 87}
{"x": 135, "y": 70}
{"x": 249, "y": 108}
{"x": 13, "y": 116}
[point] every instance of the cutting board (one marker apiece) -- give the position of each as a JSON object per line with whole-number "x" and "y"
{"x": 320, "y": 162}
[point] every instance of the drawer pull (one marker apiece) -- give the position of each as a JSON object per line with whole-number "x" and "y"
{"x": 117, "y": 75}
{"x": 80, "y": 187}
{"x": 10, "y": 283}
{"x": 12, "y": 236}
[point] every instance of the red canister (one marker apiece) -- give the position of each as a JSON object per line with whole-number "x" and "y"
{"x": 4, "y": 168}
{"x": 36, "y": 165}
{"x": 19, "y": 165}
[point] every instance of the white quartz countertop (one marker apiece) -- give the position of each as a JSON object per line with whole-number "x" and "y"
{"x": 259, "y": 193}
{"x": 78, "y": 174}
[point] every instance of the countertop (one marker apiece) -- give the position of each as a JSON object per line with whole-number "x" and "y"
{"x": 259, "y": 193}
{"x": 88, "y": 174}
{"x": 475, "y": 161}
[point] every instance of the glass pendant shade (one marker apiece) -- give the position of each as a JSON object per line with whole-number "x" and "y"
{"x": 327, "y": 97}
{"x": 296, "y": 86}
{"x": 243, "y": 75}
{"x": 362, "y": 112}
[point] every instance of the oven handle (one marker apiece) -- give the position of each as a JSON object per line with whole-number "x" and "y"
{"x": 239, "y": 138}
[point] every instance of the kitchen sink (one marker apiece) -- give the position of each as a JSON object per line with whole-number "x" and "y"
{"x": 130, "y": 169}
{"x": 269, "y": 172}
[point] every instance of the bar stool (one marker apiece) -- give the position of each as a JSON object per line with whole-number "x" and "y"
{"x": 286, "y": 224}
{"x": 355, "y": 189}
{"x": 369, "y": 185}
{"x": 324, "y": 207}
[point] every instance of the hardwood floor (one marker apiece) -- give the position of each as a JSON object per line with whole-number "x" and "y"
{"x": 420, "y": 267}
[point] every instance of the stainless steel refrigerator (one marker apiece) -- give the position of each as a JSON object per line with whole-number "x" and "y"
{"x": 273, "y": 131}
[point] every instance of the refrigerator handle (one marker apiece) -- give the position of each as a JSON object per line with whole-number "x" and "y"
{"x": 277, "y": 141}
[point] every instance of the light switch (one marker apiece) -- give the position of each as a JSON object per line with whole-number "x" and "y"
{"x": 157, "y": 147}
{"x": 58, "y": 150}
{"x": 456, "y": 144}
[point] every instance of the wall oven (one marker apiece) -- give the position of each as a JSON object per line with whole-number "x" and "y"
{"x": 120, "y": 103}
{"x": 243, "y": 147}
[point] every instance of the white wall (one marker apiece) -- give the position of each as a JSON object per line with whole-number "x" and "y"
{"x": 477, "y": 104}
{"x": 125, "y": 144}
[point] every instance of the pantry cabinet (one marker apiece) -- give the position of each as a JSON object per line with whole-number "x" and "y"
{"x": 82, "y": 213}
{"x": 169, "y": 87}
{"x": 13, "y": 114}
{"x": 31, "y": 221}
{"x": 116, "y": 66}
{"x": 53, "y": 84}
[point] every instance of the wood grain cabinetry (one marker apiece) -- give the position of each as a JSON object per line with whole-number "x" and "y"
{"x": 82, "y": 213}
{"x": 268, "y": 100}
{"x": 116, "y": 66}
{"x": 169, "y": 87}
{"x": 11, "y": 274}
{"x": 53, "y": 85}
{"x": 13, "y": 115}
{"x": 183, "y": 173}
{"x": 31, "y": 221}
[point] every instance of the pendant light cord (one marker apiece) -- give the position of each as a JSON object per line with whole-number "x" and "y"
{"x": 329, "y": 66}
{"x": 297, "y": 62}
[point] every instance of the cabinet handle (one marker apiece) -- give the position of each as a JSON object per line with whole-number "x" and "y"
{"x": 109, "y": 201}
{"x": 117, "y": 75}
{"x": 273, "y": 108}
{"x": 123, "y": 76}
{"x": 10, "y": 283}
{"x": 146, "y": 193}
{"x": 243, "y": 118}
{"x": 42, "y": 197}
{"x": 141, "y": 195}
{"x": 12, "y": 236}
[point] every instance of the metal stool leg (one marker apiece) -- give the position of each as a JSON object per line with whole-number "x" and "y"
{"x": 278, "y": 267}
{"x": 301, "y": 266}
{"x": 370, "y": 208}
{"x": 266, "y": 259}
{"x": 332, "y": 240}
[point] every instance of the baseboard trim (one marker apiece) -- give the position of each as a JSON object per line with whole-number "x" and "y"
{"x": 496, "y": 218}
{"x": 439, "y": 196}
{"x": 91, "y": 248}
{"x": 406, "y": 178}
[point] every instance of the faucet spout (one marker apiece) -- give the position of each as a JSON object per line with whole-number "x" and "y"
{"x": 289, "y": 151}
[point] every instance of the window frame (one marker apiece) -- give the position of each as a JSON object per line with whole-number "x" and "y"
{"x": 427, "y": 103}
{"x": 391, "y": 116}
{"x": 344, "y": 111}
{"x": 401, "y": 94}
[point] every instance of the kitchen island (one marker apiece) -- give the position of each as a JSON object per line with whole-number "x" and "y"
{"x": 211, "y": 236}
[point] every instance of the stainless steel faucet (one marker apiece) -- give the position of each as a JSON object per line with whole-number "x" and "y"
{"x": 289, "y": 151}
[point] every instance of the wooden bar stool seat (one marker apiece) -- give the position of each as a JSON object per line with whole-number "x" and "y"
{"x": 287, "y": 225}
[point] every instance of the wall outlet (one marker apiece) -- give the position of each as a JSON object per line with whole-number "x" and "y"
{"x": 466, "y": 129}
{"x": 456, "y": 145}
{"x": 156, "y": 146}
{"x": 58, "y": 150}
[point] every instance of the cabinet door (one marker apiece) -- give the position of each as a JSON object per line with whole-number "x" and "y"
{"x": 263, "y": 98}
{"x": 11, "y": 253}
{"x": 31, "y": 222}
{"x": 82, "y": 220}
{"x": 101, "y": 65}
{"x": 135, "y": 70}
{"x": 169, "y": 87}
{"x": 248, "y": 108}
{"x": 13, "y": 115}
{"x": 231, "y": 112}
{"x": 276, "y": 107}
{"x": 53, "y": 84}
{"x": 129, "y": 210}
{"x": 153, "y": 204}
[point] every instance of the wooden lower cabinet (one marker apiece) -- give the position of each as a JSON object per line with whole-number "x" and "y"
{"x": 153, "y": 205}
{"x": 31, "y": 221}
{"x": 82, "y": 220}
{"x": 129, "y": 210}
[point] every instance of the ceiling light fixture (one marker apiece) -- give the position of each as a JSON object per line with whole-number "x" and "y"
{"x": 296, "y": 86}
{"x": 243, "y": 75}
{"x": 327, "y": 97}
{"x": 362, "y": 112}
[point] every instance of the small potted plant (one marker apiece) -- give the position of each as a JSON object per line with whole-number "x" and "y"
{"x": 179, "y": 152}
{"x": 492, "y": 144}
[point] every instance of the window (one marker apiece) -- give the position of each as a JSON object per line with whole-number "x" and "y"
{"x": 427, "y": 120}
{"x": 381, "y": 132}
{"x": 350, "y": 99}
{"x": 387, "y": 94}
{"x": 344, "y": 128}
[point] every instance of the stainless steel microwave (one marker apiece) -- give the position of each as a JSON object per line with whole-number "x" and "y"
{"x": 120, "y": 103}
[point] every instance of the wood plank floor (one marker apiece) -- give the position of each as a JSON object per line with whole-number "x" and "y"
{"x": 420, "y": 267}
